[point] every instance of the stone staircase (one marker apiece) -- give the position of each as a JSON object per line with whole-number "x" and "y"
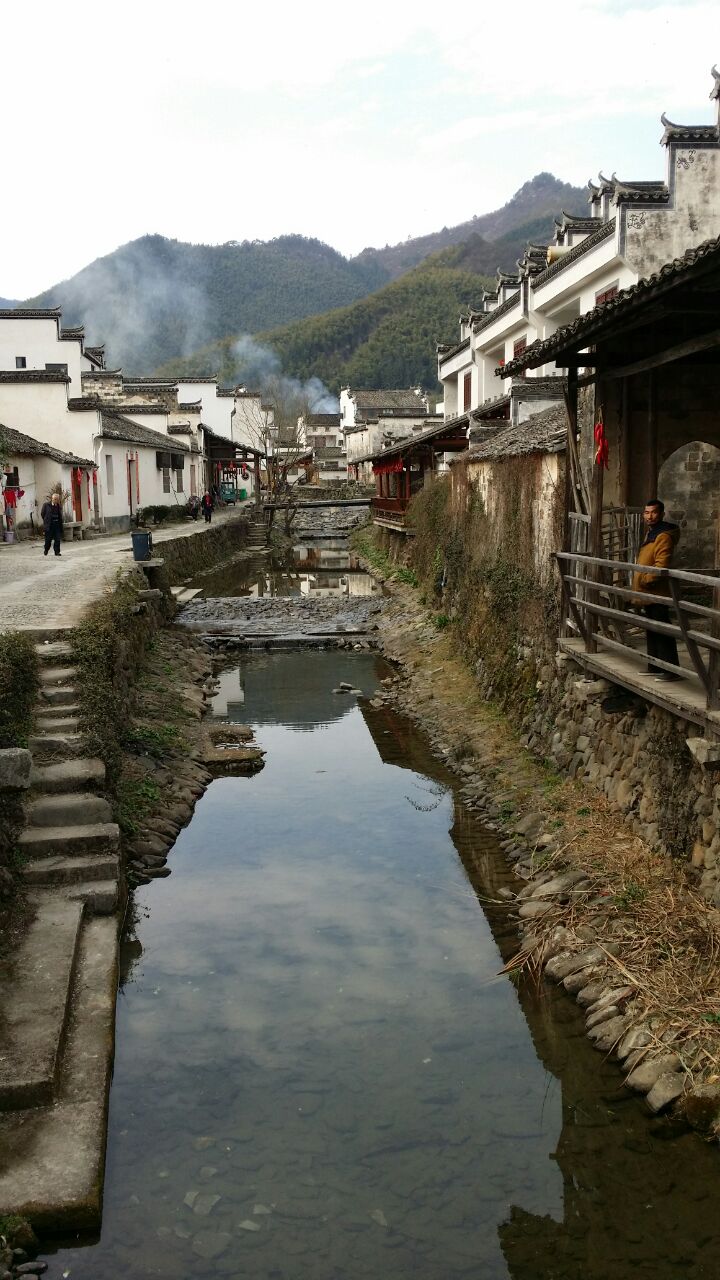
{"x": 71, "y": 843}
{"x": 257, "y": 533}
{"x": 58, "y": 986}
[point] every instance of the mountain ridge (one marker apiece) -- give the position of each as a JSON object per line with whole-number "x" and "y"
{"x": 155, "y": 300}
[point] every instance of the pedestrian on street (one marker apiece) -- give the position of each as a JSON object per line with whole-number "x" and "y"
{"x": 52, "y": 518}
{"x": 661, "y": 538}
{"x": 207, "y": 506}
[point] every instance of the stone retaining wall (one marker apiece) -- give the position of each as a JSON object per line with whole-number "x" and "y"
{"x": 638, "y": 755}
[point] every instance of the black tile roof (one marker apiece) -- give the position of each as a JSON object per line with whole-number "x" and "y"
{"x": 595, "y": 238}
{"x": 30, "y": 313}
{"x": 705, "y": 256}
{"x": 19, "y": 443}
{"x": 375, "y": 400}
{"x": 32, "y": 375}
{"x": 544, "y": 432}
{"x": 114, "y": 426}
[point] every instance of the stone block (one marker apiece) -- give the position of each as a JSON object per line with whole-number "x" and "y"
{"x": 15, "y": 766}
{"x": 706, "y": 751}
{"x": 665, "y": 1090}
{"x": 643, "y": 1077}
{"x": 698, "y": 854}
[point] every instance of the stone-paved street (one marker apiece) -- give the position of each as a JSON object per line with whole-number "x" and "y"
{"x": 41, "y": 591}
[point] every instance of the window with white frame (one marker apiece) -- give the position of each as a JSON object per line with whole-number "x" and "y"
{"x": 109, "y": 477}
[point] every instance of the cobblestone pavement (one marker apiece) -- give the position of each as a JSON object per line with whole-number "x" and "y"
{"x": 42, "y": 591}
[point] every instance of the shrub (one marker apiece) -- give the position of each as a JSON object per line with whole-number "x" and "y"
{"x": 19, "y": 684}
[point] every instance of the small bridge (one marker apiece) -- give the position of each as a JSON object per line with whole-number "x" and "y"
{"x": 325, "y": 502}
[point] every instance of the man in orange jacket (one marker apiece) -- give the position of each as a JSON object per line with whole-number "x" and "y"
{"x": 657, "y": 550}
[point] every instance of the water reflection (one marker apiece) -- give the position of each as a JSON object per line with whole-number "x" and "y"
{"x": 311, "y": 569}
{"x": 320, "y": 1073}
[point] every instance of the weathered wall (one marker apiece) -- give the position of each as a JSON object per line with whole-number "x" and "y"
{"x": 689, "y": 485}
{"x": 637, "y": 754}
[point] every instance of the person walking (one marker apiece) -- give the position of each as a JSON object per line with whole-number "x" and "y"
{"x": 207, "y": 505}
{"x": 661, "y": 539}
{"x": 52, "y": 518}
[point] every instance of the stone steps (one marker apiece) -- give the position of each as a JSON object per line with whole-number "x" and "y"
{"x": 99, "y": 897}
{"x": 72, "y": 807}
{"x": 70, "y": 870}
{"x": 54, "y": 651}
{"x": 63, "y": 675}
{"x": 57, "y": 744}
{"x": 57, "y": 722}
{"x": 58, "y": 695}
{"x": 92, "y": 837}
{"x": 68, "y": 775}
{"x": 66, "y": 712}
{"x": 35, "y": 990}
{"x": 53, "y": 1157}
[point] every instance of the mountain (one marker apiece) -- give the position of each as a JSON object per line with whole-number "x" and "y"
{"x": 156, "y": 298}
{"x": 7, "y": 303}
{"x": 384, "y": 340}
{"x": 538, "y": 201}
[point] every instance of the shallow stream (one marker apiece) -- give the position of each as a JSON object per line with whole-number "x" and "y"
{"x": 320, "y": 1073}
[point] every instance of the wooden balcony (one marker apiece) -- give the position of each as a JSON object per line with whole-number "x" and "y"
{"x": 390, "y": 513}
{"x": 606, "y": 631}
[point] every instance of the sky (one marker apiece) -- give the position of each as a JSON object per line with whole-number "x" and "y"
{"x": 358, "y": 124}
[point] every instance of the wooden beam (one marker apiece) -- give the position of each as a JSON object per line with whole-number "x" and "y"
{"x": 681, "y": 349}
{"x": 652, "y": 434}
{"x": 578, "y": 360}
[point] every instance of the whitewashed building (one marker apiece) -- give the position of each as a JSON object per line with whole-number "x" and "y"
{"x": 371, "y": 420}
{"x": 29, "y": 471}
{"x": 631, "y": 230}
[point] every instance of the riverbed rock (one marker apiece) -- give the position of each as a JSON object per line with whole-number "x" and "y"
{"x": 665, "y": 1090}
{"x": 643, "y": 1077}
{"x": 530, "y": 910}
{"x": 636, "y": 1038}
{"x": 603, "y": 1014}
{"x": 576, "y": 982}
{"x": 605, "y": 1036}
{"x": 210, "y": 1244}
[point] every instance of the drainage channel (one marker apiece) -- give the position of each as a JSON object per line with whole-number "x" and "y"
{"x": 320, "y": 1072}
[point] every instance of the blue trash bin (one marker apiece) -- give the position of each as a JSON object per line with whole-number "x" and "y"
{"x": 142, "y": 544}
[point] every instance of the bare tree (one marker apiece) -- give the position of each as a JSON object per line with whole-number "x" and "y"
{"x": 273, "y": 422}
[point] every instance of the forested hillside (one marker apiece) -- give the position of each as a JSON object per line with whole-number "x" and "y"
{"x": 385, "y": 340}
{"x": 156, "y": 298}
{"x": 534, "y": 205}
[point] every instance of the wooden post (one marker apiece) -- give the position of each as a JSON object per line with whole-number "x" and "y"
{"x": 652, "y": 440}
{"x": 713, "y": 700}
{"x": 625, "y": 443}
{"x": 596, "y": 513}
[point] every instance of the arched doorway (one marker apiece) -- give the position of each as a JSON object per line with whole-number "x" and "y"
{"x": 689, "y": 485}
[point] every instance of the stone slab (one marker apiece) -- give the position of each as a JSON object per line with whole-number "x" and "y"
{"x": 15, "y": 769}
{"x": 69, "y": 775}
{"x": 75, "y": 808}
{"x": 35, "y": 991}
{"x": 69, "y": 870}
{"x": 93, "y": 837}
{"x": 52, "y": 1159}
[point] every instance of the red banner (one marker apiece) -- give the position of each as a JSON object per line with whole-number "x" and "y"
{"x": 387, "y": 468}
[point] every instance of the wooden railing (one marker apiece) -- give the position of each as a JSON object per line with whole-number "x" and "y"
{"x": 391, "y": 509}
{"x": 606, "y": 613}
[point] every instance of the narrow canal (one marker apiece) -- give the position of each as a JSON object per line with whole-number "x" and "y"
{"x": 320, "y": 1074}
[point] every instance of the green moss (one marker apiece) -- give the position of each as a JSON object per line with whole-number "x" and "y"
{"x": 19, "y": 682}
